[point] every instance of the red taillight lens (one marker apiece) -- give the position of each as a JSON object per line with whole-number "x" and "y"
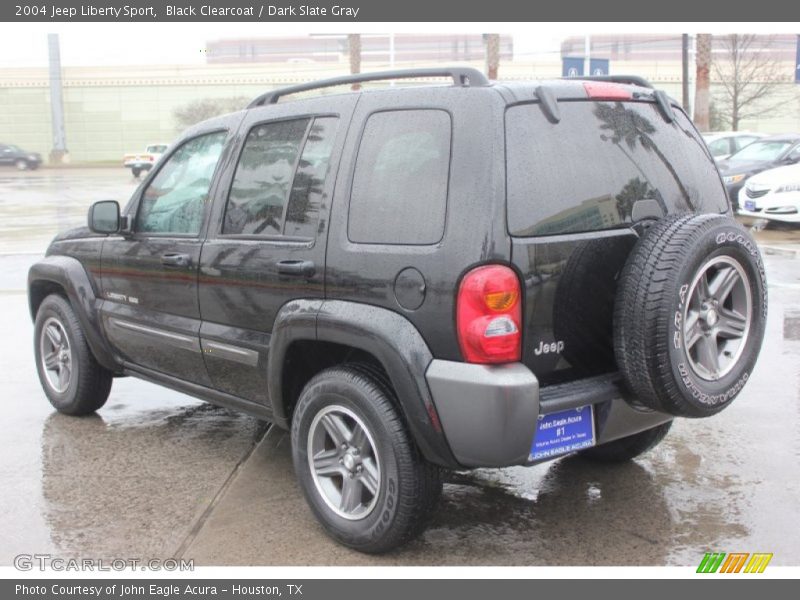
{"x": 489, "y": 315}
{"x": 602, "y": 90}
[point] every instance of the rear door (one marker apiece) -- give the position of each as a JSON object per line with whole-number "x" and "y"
{"x": 266, "y": 245}
{"x": 574, "y": 191}
{"x": 149, "y": 278}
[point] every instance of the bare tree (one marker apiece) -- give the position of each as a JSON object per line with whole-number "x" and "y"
{"x": 702, "y": 82}
{"x": 205, "y": 108}
{"x": 354, "y": 51}
{"x": 492, "y": 54}
{"x": 748, "y": 70}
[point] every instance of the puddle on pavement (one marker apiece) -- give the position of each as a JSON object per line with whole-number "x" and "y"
{"x": 132, "y": 481}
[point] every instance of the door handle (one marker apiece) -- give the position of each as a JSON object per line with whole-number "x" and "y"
{"x": 304, "y": 268}
{"x": 173, "y": 259}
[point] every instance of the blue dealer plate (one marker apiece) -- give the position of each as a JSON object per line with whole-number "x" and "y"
{"x": 749, "y": 205}
{"x": 563, "y": 432}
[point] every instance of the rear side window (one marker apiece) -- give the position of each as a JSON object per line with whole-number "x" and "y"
{"x": 720, "y": 147}
{"x": 279, "y": 182}
{"x": 399, "y": 193}
{"x": 306, "y": 197}
{"x": 586, "y": 172}
{"x": 260, "y": 189}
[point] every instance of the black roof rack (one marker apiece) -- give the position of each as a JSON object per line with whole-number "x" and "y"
{"x": 462, "y": 76}
{"x": 628, "y": 79}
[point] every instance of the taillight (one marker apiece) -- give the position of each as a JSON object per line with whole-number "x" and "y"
{"x": 489, "y": 315}
{"x": 603, "y": 90}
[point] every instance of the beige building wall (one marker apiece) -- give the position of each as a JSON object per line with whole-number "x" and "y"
{"x": 110, "y": 111}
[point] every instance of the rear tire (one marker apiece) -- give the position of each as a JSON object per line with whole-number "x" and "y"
{"x": 368, "y": 486}
{"x": 74, "y": 382}
{"x": 627, "y": 448}
{"x": 690, "y": 314}
{"x": 136, "y": 173}
{"x": 22, "y": 165}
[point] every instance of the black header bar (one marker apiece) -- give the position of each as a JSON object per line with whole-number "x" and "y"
{"x": 361, "y": 11}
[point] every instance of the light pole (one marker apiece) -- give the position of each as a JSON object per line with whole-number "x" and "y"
{"x": 59, "y": 152}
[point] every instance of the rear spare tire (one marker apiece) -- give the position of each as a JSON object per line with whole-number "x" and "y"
{"x": 690, "y": 313}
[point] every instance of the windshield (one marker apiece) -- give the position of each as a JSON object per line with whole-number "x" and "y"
{"x": 159, "y": 149}
{"x": 761, "y": 151}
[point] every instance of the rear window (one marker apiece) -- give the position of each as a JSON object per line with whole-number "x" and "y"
{"x": 399, "y": 193}
{"x": 586, "y": 172}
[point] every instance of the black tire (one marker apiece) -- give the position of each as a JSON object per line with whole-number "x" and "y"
{"x": 136, "y": 173}
{"x": 408, "y": 485}
{"x": 21, "y": 164}
{"x": 89, "y": 384}
{"x": 583, "y": 304}
{"x": 661, "y": 289}
{"x": 627, "y": 448}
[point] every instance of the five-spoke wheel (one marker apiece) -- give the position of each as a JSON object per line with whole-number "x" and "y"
{"x": 56, "y": 355}
{"x": 717, "y": 317}
{"x": 344, "y": 462}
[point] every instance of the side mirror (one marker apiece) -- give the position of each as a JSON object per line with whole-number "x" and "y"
{"x": 104, "y": 217}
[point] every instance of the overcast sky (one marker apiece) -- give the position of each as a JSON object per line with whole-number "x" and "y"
{"x": 83, "y": 44}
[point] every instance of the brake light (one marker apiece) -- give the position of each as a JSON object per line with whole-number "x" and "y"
{"x": 602, "y": 90}
{"x": 489, "y": 315}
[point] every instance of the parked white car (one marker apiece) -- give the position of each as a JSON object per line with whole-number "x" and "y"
{"x": 144, "y": 161}
{"x": 722, "y": 144}
{"x": 772, "y": 194}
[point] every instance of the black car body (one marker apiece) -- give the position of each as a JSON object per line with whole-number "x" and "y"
{"x": 447, "y": 258}
{"x": 14, "y": 156}
{"x": 765, "y": 153}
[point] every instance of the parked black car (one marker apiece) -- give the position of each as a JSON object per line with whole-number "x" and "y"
{"x": 417, "y": 279}
{"x": 15, "y": 156}
{"x": 763, "y": 154}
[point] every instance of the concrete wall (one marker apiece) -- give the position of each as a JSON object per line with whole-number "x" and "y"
{"x": 109, "y": 112}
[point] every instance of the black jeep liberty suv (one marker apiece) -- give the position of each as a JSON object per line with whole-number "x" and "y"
{"x": 418, "y": 278}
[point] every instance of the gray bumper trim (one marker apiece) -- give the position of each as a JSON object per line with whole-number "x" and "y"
{"x": 488, "y": 413}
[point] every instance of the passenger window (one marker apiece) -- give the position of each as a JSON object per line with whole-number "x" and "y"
{"x": 174, "y": 202}
{"x": 399, "y": 193}
{"x": 261, "y": 185}
{"x": 720, "y": 147}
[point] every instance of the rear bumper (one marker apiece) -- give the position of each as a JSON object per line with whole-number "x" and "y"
{"x": 489, "y": 413}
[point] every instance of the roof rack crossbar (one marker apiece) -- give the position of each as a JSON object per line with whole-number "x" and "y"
{"x": 626, "y": 79}
{"x": 462, "y": 76}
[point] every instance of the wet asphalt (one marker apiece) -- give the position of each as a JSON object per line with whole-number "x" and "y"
{"x": 158, "y": 474}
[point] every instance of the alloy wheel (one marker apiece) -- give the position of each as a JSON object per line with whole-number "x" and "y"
{"x": 344, "y": 462}
{"x": 716, "y": 318}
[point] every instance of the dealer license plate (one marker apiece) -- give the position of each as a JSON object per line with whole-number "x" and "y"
{"x": 563, "y": 432}
{"x": 749, "y": 205}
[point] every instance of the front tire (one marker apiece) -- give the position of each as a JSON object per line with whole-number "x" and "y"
{"x": 627, "y": 448}
{"x": 359, "y": 470}
{"x": 74, "y": 382}
{"x": 22, "y": 165}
